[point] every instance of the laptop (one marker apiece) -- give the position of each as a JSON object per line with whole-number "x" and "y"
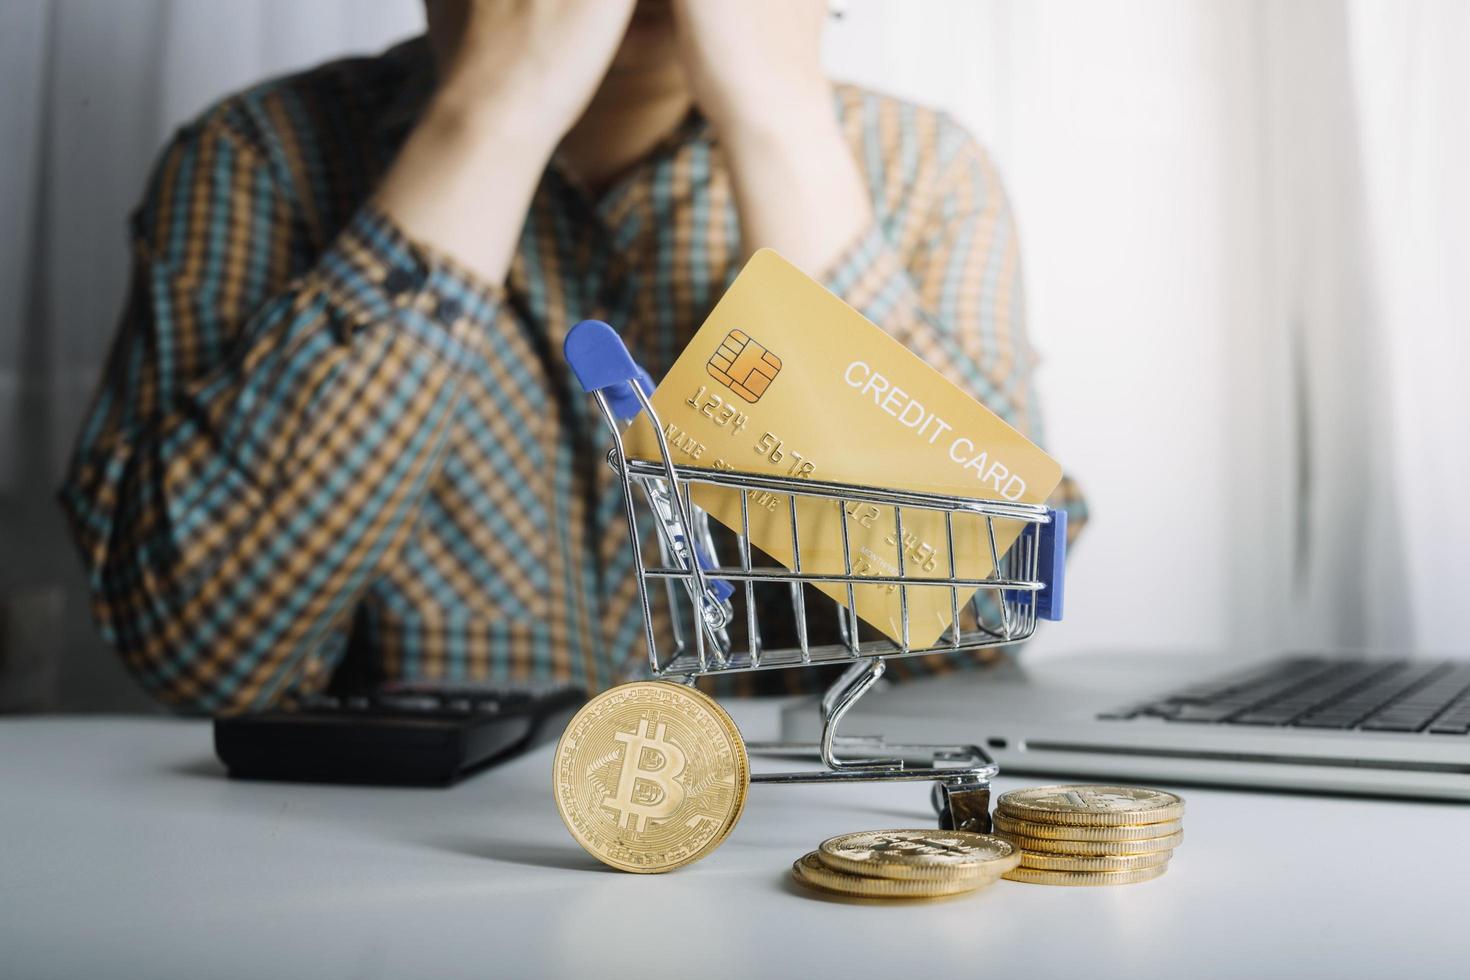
{"x": 1345, "y": 725}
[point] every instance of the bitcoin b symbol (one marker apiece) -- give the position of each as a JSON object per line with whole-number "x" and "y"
{"x": 918, "y": 845}
{"x": 634, "y": 804}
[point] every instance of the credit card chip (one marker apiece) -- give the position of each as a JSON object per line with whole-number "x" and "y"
{"x": 743, "y": 366}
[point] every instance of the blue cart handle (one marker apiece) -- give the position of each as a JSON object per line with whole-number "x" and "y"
{"x": 1053, "y": 566}
{"x": 601, "y": 362}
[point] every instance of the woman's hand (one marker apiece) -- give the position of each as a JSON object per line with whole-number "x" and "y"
{"x": 514, "y": 77}
{"x": 750, "y": 61}
{"x": 755, "y": 70}
{"x": 530, "y": 64}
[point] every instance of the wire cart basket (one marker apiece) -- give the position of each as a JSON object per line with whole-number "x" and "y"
{"x": 1025, "y": 584}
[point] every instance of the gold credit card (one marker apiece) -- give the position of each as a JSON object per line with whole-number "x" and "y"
{"x": 785, "y": 379}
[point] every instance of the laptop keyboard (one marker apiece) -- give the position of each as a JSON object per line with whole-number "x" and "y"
{"x": 1321, "y": 693}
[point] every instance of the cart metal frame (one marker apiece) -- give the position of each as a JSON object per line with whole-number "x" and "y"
{"x": 1025, "y": 583}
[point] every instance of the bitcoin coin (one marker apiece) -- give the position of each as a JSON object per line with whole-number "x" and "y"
{"x": 1050, "y": 831}
{"x": 1111, "y": 862}
{"x": 650, "y": 776}
{"x": 1038, "y": 876}
{"x": 1091, "y": 806}
{"x": 810, "y": 870}
{"x": 920, "y": 854}
{"x": 1090, "y": 848}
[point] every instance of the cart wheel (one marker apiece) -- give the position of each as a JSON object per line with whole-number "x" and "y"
{"x": 940, "y": 802}
{"x": 963, "y": 806}
{"x": 937, "y": 800}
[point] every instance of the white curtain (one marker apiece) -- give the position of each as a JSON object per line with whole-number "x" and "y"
{"x": 1412, "y": 83}
{"x": 1246, "y": 229}
{"x": 1246, "y": 232}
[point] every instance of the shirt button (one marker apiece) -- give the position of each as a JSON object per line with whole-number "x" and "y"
{"x": 399, "y": 281}
{"x": 450, "y": 310}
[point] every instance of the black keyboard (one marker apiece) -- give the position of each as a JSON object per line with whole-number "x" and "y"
{"x": 404, "y": 735}
{"x": 1322, "y": 693}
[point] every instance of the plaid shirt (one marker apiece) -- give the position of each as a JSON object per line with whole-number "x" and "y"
{"x": 318, "y": 440}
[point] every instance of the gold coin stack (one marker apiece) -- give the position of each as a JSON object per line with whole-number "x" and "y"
{"x": 1090, "y": 835}
{"x": 906, "y": 863}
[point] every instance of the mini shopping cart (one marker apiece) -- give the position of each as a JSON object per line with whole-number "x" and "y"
{"x": 1025, "y": 583}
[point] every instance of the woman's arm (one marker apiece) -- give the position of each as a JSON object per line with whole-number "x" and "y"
{"x": 797, "y": 187}
{"x": 274, "y": 409}
{"x": 515, "y": 76}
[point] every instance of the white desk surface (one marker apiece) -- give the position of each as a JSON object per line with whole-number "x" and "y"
{"x": 124, "y": 852}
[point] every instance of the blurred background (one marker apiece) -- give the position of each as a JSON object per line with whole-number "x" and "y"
{"x": 1246, "y": 234}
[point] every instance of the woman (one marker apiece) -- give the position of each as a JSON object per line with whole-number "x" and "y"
{"x": 335, "y": 429}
